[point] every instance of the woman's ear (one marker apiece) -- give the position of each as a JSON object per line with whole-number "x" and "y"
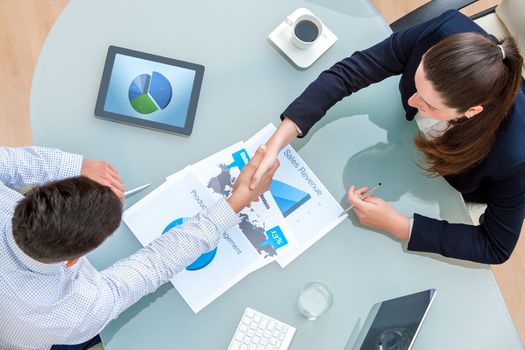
{"x": 472, "y": 111}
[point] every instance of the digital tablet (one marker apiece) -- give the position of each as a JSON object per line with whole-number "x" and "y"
{"x": 150, "y": 91}
{"x": 394, "y": 324}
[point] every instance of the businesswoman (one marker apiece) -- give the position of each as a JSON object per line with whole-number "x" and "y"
{"x": 469, "y": 86}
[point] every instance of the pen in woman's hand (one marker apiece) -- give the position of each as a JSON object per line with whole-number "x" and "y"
{"x": 369, "y": 192}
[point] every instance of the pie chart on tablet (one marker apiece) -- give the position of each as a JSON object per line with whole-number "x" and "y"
{"x": 149, "y": 93}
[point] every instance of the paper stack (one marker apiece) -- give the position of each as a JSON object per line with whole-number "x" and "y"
{"x": 295, "y": 213}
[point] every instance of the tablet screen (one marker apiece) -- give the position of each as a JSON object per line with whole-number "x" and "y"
{"x": 150, "y": 91}
{"x": 396, "y": 322}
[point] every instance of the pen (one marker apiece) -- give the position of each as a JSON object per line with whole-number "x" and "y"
{"x": 369, "y": 192}
{"x": 135, "y": 190}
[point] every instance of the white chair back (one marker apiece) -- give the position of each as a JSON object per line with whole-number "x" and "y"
{"x": 512, "y": 14}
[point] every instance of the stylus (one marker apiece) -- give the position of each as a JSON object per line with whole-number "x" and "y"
{"x": 368, "y": 193}
{"x": 135, "y": 190}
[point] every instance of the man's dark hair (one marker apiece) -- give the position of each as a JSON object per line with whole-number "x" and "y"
{"x": 65, "y": 219}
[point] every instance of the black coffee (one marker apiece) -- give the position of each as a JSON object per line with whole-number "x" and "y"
{"x": 306, "y": 31}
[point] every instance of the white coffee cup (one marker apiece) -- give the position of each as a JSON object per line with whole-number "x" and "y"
{"x": 306, "y": 30}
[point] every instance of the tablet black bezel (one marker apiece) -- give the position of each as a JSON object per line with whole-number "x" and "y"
{"x": 126, "y": 119}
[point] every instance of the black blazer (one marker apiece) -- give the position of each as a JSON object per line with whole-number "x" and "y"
{"x": 499, "y": 181}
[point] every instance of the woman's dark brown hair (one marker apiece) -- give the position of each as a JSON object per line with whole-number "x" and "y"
{"x": 467, "y": 70}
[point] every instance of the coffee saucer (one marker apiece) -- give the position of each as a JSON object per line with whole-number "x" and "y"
{"x": 281, "y": 37}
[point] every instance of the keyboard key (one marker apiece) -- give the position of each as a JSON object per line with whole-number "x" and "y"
{"x": 235, "y": 346}
{"x": 264, "y": 322}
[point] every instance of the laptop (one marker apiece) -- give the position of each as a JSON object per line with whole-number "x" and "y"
{"x": 394, "y": 324}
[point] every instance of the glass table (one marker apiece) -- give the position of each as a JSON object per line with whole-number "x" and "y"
{"x": 363, "y": 140}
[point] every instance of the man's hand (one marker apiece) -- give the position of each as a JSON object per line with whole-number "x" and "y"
{"x": 105, "y": 174}
{"x": 376, "y": 213}
{"x": 242, "y": 195}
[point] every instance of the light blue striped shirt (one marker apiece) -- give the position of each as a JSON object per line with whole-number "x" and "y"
{"x": 46, "y": 304}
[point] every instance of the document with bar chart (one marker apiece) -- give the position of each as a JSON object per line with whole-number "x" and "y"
{"x": 307, "y": 206}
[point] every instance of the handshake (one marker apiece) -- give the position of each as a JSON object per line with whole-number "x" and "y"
{"x": 247, "y": 187}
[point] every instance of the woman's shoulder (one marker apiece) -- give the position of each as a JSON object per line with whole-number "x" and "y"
{"x": 509, "y": 148}
{"x": 449, "y": 23}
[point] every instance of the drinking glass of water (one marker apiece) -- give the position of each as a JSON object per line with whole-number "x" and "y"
{"x": 314, "y": 300}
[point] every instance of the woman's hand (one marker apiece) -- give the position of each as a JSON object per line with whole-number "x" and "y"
{"x": 266, "y": 163}
{"x": 284, "y": 134}
{"x": 242, "y": 195}
{"x": 378, "y": 214}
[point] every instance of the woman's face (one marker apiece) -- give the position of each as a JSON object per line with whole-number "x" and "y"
{"x": 427, "y": 100}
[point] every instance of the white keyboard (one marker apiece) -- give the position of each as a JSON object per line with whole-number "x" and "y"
{"x": 258, "y": 331}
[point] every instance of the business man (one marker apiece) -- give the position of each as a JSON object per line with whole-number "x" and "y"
{"x": 49, "y": 292}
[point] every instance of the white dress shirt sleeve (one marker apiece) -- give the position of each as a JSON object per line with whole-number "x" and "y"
{"x": 36, "y": 165}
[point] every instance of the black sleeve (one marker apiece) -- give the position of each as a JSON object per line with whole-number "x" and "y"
{"x": 358, "y": 71}
{"x": 493, "y": 241}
